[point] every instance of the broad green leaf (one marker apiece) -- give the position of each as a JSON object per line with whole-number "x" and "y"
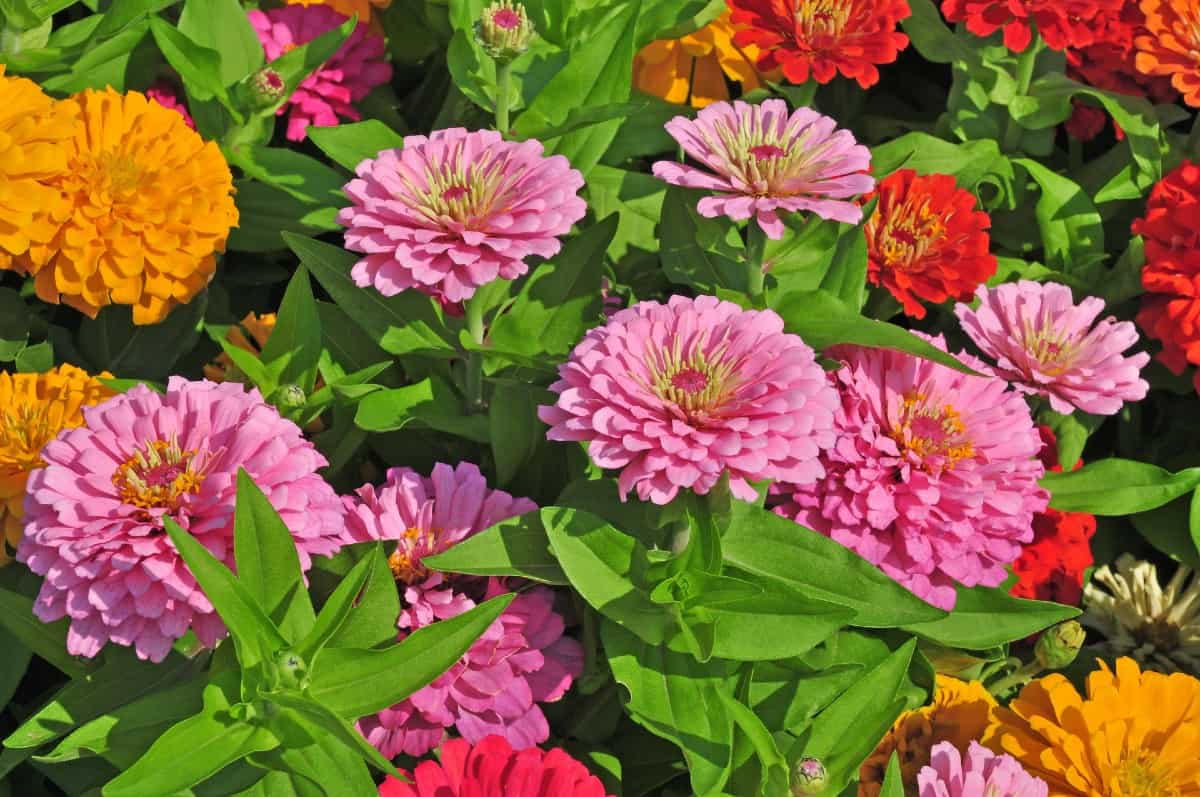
{"x": 635, "y": 198}
{"x": 266, "y": 212}
{"x": 106, "y": 63}
{"x": 984, "y": 617}
{"x": 695, "y": 250}
{"x": 310, "y": 770}
{"x": 324, "y": 721}
{"x": 431, "y": 402}
{"x": 48, "y": 640}
{"x": 200, "y": 67}
{"x": 1072, "y": 231}
{"x": 788, "y": 694}
{"x": 969, "y": 162}
{"x": 846, "y": 277}
{"x": 350, "y": 144}
{"x": 222, "y": 26}
{"x": 774, "y": 765}
{"x": 931, "y": 37}
{"x": 12, "y": 664}
{"x": 304, "y": 178}
{"x": 1169, "y": 528}
{"x": 1118, "y": 487}
{"x": 373, "y": 621}
{"x": 517, "y": 546}
{"x": 513, "y": 426}
{"x": 339, "y": 607}
{"x": 292, "y": 351}
{"x": 35, "y": 359}
{"x": 111, "y": 342}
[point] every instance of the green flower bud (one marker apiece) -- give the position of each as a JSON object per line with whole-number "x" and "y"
{"x": 290, "y": 397}
{"x": 267, "y": 87}
{"x": 504, "y": 30}
{"x": 1057, "y": 647}
{"x": 808, "y": 777}
{"x": 291, "y": 670}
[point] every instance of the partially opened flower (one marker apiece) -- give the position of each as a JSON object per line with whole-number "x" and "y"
{"x": 677, "y": 395}
{"x": 979, "y": 773}
{"x": 1062, "y": 23}
{"x": 1047, "y": 345}
{"x": 450, "y": 213}
{"x": 492, "y": 768}
{"x": 935, "y": 475}
{"x": 927, "y": 240}
{"x": 328, "y": 95}
{"x": 759, "y": 160}
{"x": 1170, "y": 45}
{"x": 823, "y": 38}
{"x": 94, "y": 515}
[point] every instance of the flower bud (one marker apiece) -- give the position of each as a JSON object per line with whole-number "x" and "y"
{"x": 808, "y": 777}
{"x": 291, "y": 670}
{"x": 504, "y": 30}
{"x": 290, "y": 397}
{"x": 267, "y": 87}
{"x": 1057, "y": 647}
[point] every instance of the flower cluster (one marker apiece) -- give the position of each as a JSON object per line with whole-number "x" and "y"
{"x": 1062, "y": 23}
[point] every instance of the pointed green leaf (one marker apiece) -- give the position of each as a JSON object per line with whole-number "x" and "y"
{"x": 292, "y": 351}
{"x": 339, "y": 606}
{"x": 1116, "y": 487}
{"x": 984, "y": 617}
{"x": 350, "y": 144}
{"x": 373, "y": 622}
{"x": 514, "y": 547}
{"x": 311, "y": 713}
{"x": 48, "y": 640}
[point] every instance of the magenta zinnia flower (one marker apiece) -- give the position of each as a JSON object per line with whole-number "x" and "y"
{"x": 452, "y": 212}
{"x": 981, "y": 773}
{"x": 760, "y": 160}
{"x": 94, "y": 514}
{"x": 677, "y": 394}
{"x": 1047, "y": 345}
{"x": 934, "y": 478}
{"x": 349, "y": 76}
{"x": 522, "y": 660}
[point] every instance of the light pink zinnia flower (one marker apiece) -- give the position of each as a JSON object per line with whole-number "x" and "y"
{"x": 934, "y": 477}
{"x": 677, "y": 394}
{"x": 452, "y": 212}
{"x": 522, "y": 660}
{"x": 348, "y": 76}
{"x": 981, "y": 774}
{"x": 1047, "y": 345}
{"x": 167, "y": 96}
{"x": 761, "y": 161}
{"x": 94, "y": 514}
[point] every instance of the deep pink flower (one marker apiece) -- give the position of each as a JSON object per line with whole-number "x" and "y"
{"x": 452, "y": 212}
{"x": 759, "y": 160}
{"x": 934, "y": 477}
{"x": 981, "y": 773}
{"x": 167, "y": 96}
{"x": 1047, "y": 345}
{"x": 94, "y": 514}
{"x": 522, "y": 660}
{"x": 677, "y": 394}
{"x": 492, "y": 768}
{"x": 349, "y": 76}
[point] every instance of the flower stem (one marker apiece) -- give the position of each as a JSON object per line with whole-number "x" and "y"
{"x": 474, "y": 313}
{"x": 503, "y": 74}
{"x": 1025, "y": 65}
{"x": 756, "y": 247}
{"x": 1021, "y": 676}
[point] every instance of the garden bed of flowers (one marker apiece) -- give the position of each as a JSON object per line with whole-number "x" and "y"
{"x": 600, "y": 398}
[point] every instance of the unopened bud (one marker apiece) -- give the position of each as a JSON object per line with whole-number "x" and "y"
{"x": 504, "y": 30}
{"x": 290, "y": 397}
{"x": 291, "y": 669}
{"x": 808, "y": 777}
{"x": 1057, "y": 647}
{"x": 267, "y": 87}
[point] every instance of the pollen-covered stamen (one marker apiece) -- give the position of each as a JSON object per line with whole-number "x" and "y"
{"x": 821, "y": 18}
{"x": 934, "y": 434}
{"x": 1142, "y": 776}
{"x": 405, "y": 561}
{"x": 159, "y": 474}
{"x": 909, "y": 232}
{"x": 116, "y": 173}
{"x": 23, "y": 432}
{"x": 697, "y": 383}
{"x": 459, "y": 191}
{"x": 1054, "y": 349}
{"x": 770, "y": 160}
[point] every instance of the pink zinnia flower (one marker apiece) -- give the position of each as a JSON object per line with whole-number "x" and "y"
{"x": 1047, "y": 345}
{"x": 167, "y": 96}
{"x": 349, "y": 76}
{"x": 492, "y": 768}
{"x": 981, "y": 773}
{"x": 934, "y": 478}
{"x": 522, "y": 660}
{"x": 760, "y": 160}
{"x": 94, "y": 514}
{"x": 452, "y": 212}
{"x": 677, "y": 394}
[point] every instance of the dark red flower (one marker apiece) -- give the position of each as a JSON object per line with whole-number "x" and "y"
{"x": 1062, "y": 23}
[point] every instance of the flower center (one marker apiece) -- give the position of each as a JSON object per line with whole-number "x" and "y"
{"x": 158, "y": 475}
{"x": 689, "y": 380}
{"x": 936, "y": 435}
{"x": 1159, "y": 632}
{"x": 24, "y": 430}
{"x": 907, "y": 234}
{"x": 118, "y": 172}
{"x": 821, "y": 18}
{"x": 405, "y": 561}
{"x": 698, "y": 383}
{"x": 507, "y": 19}
{"x": 1140, "y": 777}
{"x": 765, "y": 152}
{"x": 459, "y": 192}
{"x": 1053, "y": 349}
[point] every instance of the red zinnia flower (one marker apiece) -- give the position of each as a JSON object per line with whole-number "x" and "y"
{"x": 1062, "y": 23}
{"x": 1170, "y": 45}
{"x": 927, "y": 241}
{"x": 822, "y": 37}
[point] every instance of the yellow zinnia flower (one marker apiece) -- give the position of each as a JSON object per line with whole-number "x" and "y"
{"x": 33, "y": 130}
{"x": 148, "y": 206}
{"x": 347, "y": 8}
{"x": 958, "y": 714}
{"x": 1136, "y": 734}
{"x": 34, "y": 408}
{"x": 258, "y": 327}
{"x": 693, "y": 69}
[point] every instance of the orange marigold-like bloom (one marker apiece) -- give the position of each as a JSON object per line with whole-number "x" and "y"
{"x": 348, "y": 8}
{"x": 1136, "y": 734}
{"x": 148, "y": 205}
{"x": 927, "y": 240}
{"x": 34, "y": 408}
{"x": 250, "y": 334}
{"x": 1062, "y": 23}
{"x": 958, "y": 714}
{"x": 822, "y": 38}
{"x": 1170, "y": 45}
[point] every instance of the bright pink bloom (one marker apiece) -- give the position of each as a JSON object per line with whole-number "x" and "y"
{"x": 934, "y": 477}
{"x": 981, "y": 773}
{"x": 452, "y": 212}
{"x": 167, "y": 96}
{"x": 677, "y": 394}
{"x": 94, "y": 514}
{"x": 522, "y": 660}
{"x": 760, "y": 160}
{"x": 492, "y": 768}
{"x": 349, "y": 76}
{"x": 1047, "y": 345}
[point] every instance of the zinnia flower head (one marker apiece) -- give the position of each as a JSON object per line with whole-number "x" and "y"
{"x": 148, "y": 207}
{"x": 1170, "y": 45}
{"x": 94, "y": 514}
{"x": 957, "y": 715}
{"x": 761, "y": 160}
{"x": 1158, "y": 626}
{"x": 250, "y": 334}
{"x": 167, "y": 96}
{"x": 329, "y": 94}
{"x": 676, "y": 395}
{"x": 492, "y": 768}
{"x": 452, "y": 212}
{"x": 1047, "y": 345}
{"x": 981, "y": 773}
{"x": 1061, "y": 23}
{"x": 823, "y": 38}
{"x": 34, "y": 408}
{"x": 366, "y": 10}
{"x": 522, "y": 660}
{"x": 1134, "y": 734}
{"x": 934, "y": 478}
{"x": 927, "y": 240}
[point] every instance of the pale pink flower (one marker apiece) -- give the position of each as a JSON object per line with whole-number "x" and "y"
{"x": 167, "y": 96}
{"x": 452, "y": 212}
{"x": 675, "y": 395}
{"x": 94, "y": 514}
{"x": 1047, "y": 345}
{"x": 760, "y": 160}
{"x": 981, "y": 773}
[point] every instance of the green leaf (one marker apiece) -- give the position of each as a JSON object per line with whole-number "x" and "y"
{"x": 222, "y": 26}
{"x": 294, "y": 347}
{"x": 12, "y": 664}
{"x": 1169, "y": 528}
{"x": 373, "y": 621}
{"x": 338, "y": 608}
{"x": 1072, "y": 230}
{"x": 297, "y": 64}
{"x": 1116, "y": 487}
{"x": 774, "y": 766}
{"x": 893, "y": 781}
{"x": 846, "y": 277}
{"x": 518, "y": 546}
{"x": 35, "y": 359}
{"x": 636, "y": 199}
{"x": 694, "y": 250}
{"x": 350, "y": 144}
{"x": 324, "y": 721}
{"x": 513, "y": 426}
{"x": 48, "y": 640}
{"x": 984, "y": 617}
{"x": 304, "y": 178}
{"x": 111, "y": 342}
{"x": 199, "y": 66}
{"x": 266, "y": 213}
{"x": 14, "y": 324}
{"x": 969, "y": 162}
{"x": 931, "y": 37}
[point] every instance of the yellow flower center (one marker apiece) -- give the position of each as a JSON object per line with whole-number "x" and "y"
{"x": 24, "y": 430}
{"x": 1053, "y": 349}
{"x": 935, "y": 434}
{"x": 1141, "y": 776}
{"x": 462, "y": 192}
{"x": 158, "y": 475}
{"x": 907, "y": 235}
{"x": 117, "y": 172}
{"x": 697, "y": 384}
{"x": 406, "y": 567}
{"x": 821, "y": 18}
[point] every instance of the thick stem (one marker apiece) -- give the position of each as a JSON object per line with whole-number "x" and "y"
{"x": 756, "y": 247}
{"x": 475, "y": 359}
{"x": 1025, "y": 65}
{"x": 1022, "y": 676}
{"x": 503, "y": 74}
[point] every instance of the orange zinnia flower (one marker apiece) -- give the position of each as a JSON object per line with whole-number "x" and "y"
{"x": 148, "y": 205}
{"x": 34, "y": 408}
{"x": 249, "y": 335}
{"x": 1136, "y": 734}
{"x": 1171, "y": 45}
{"x": 927, "y": 241}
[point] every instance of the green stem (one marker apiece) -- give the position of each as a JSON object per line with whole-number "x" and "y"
{"x": 1022, "y": 676}
{"x": 503, "y": 75}
{"x": 1025, "y": 65}
{"x": 756, "y": 247}
{"x": 475, "y": 358}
